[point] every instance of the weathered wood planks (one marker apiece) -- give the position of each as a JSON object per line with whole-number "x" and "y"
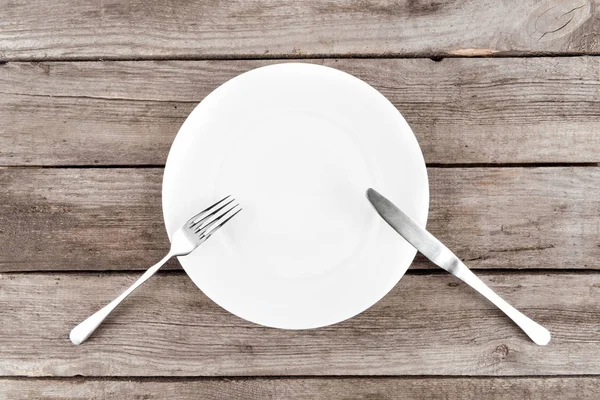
{"x": 491, "y": 111}
{"x": 168, "y": 337}
{"x": 111, "y": 218}
{"x": 427, "y": 325}
{"x": 72, "y": 29}
{"x": 508, "y": 388}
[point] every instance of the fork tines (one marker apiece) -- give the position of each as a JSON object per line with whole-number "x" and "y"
{"x": 208, "y": 221}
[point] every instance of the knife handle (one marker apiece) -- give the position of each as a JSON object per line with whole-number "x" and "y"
{"x": 535, "y": 331}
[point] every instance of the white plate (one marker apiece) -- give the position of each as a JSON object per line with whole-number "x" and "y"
{"x": 297, "y": 145}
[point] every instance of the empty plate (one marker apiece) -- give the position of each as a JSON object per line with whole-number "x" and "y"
{"x": 297, "y": 145}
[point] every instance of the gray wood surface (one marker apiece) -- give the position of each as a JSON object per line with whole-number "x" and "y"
{"x": 564, "y": 388}
{"x": 71, "y": 29}
{"x": 504, "y": 110}
{"x": 427, "y": 325}
{"x": 111, "y": 218}
{"x": 93, "y": 93}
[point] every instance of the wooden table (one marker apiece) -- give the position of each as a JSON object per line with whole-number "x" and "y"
{"x": 504, "y": 98}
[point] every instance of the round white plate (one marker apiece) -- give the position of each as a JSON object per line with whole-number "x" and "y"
{"x": 297, "y": 145}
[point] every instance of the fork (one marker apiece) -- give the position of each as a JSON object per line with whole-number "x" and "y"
{"x": 185, "y": 240}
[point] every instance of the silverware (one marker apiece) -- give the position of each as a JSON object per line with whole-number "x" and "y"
{"x": 185, "y": 240}
{"x": 440, "y": 255}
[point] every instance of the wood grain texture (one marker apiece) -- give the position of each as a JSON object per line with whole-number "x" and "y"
{"x": 111, "y": 219}
{"x": 427, "y": 325}
{"x": 71, "y": 29}
{"x": 564, "y": 388}
{"x": 81, "y": 218}
{"x": 169, "y": 338}
{"x": 506, "y": 110}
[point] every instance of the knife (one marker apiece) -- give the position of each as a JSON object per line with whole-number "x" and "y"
{"x": 441, "y": 256}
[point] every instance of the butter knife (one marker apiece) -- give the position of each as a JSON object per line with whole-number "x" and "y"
{"x": 440, "y": 255}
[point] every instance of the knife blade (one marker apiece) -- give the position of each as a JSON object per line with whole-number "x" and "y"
{"x": 414, "y": 234}
{"x": 443, "y": 257}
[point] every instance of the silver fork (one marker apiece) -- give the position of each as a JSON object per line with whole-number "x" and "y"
{"x": 185, "y": 240}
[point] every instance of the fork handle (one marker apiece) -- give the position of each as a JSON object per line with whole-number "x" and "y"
{"x": 82, "y": 332}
